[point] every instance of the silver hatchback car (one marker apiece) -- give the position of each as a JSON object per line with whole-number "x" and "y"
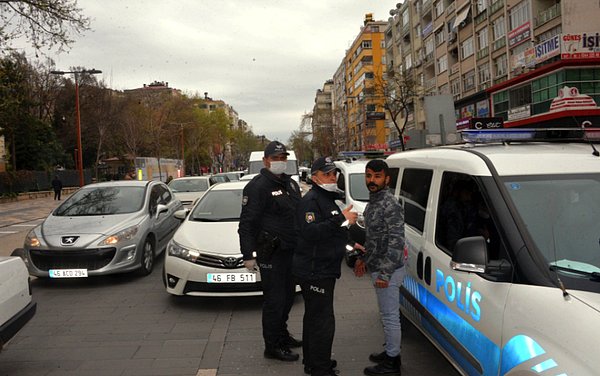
{"x": 103, "y": 228}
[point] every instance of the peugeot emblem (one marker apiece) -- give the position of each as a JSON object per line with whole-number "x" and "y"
{"x": 68, "y": 240}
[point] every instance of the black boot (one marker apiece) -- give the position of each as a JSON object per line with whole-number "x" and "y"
{"x": 377, "y": 357}
{"x": 281, "y": 353}
{"x": 389, "y": 366}
{"x": 308, "y": 369}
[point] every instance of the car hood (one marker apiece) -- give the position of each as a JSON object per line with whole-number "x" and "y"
{"x": 592, "y": 299}
{"x": 188, "y": 196}
{"x": 91, "y": 224}
{"x": 214, "y": 237}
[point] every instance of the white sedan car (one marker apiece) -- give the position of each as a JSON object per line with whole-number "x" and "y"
{"x": 204, "y": 257}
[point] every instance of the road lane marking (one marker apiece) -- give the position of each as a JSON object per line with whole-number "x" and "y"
{"x": 9, "y": 232}
{"x": 33, "y": 225}
{"x": 207, "y": 372}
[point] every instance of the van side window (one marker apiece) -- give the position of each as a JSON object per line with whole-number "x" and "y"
{"x": 393, "y": 178}
{"x": 414, "y": 192}
{"x": 463, "y": 212}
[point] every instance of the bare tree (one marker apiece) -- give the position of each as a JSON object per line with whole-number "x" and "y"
{"x": 399, "y": 91}
{"x": 43, "y": 23}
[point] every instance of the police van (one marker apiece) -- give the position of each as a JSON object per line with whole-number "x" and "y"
{"x": 503, "y": 250}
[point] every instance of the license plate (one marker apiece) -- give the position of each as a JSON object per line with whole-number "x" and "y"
{"x": 231, "y": 278}
{"x": 68, "y": 273}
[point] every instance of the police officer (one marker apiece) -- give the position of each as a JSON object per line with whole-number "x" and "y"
{"x": 317, "y": 263}
{"x": 267, "y": 235}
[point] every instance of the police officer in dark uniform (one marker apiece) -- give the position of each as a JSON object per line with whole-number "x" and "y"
{"x": 267, "y": 236}
{"x": 317, "y": 263}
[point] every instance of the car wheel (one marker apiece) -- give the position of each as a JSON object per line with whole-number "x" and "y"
{"x": 147, "y": 259}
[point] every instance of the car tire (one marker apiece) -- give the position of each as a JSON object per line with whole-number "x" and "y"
{"x": 147, "y": 258}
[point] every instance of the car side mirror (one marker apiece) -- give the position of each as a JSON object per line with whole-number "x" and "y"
{"x": 160, "y": 208}
{"x": 181, "y": 214}
{"x": 470, "y": 255}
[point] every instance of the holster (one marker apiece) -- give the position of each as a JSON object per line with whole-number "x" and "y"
{"x": 266, "y": 245}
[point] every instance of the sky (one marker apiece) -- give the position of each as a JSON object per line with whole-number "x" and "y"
{"x": 266, "y": 58}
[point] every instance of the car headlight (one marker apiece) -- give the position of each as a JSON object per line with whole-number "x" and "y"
{"x": 176, "y": 250}
{"x": 120, "y": 236}
{"x": 31, "y": 240}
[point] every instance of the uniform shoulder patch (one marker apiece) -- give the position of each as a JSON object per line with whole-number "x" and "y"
{"x": 309, "y": 217}
{"x": 244, "y": 200}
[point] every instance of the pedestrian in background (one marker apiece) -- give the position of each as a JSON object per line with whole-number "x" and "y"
{"x": 383, "y": 259}
{"x": 267, "y": 235}
{"x": 57, "y": 187}
{"x": 317, "y": 263}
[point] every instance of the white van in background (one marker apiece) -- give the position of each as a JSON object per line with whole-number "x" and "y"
{"x": 255, "y": 164}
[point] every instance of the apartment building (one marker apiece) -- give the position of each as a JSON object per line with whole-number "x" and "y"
{"x": 324, "y": 142}
{"x": 364, "y": 68}
{"x": 509, "y": 59}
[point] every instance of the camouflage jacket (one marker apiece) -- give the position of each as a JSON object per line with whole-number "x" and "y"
{"x": 384, "y": 222}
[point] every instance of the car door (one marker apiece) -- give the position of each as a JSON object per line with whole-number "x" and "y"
{"x": 469, "y": 307}
{"x": 164, "y": 223}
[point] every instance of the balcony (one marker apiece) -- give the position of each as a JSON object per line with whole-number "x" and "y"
{"x": 427, "y": 5}
{"x": 502, "y": 78}
{"x": 480, "y": 17}
{"x": 499, "y": 43}
{"x": 483, "y": 52}
{"x": 497, "y": 5}
{"x": 454, "y": 69}
{"x": 548, "y": 14}
{"x": 430, "y": 84}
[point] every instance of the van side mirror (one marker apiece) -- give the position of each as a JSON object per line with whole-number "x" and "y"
{"x": 470, "y": 255}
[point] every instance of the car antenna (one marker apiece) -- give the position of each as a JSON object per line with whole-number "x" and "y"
{"x": 583, "y": 124}
{"x": 560, "y": 283}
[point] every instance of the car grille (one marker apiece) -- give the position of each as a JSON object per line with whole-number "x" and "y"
{"x": 221, "y": 287}
{"x": 220, "y": 262}
{"x": 90, "y": 259}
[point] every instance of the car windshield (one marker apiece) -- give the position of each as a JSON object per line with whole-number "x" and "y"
{"x": 218, "y": 205}
{"x": 256, "y": 166}
{"x": 358, "y": 188}
{"x": 562, "y": 215}
{"x": 220, "y": 178}
{"x": 188, "y": 185}
{"x": 102, "y": 201}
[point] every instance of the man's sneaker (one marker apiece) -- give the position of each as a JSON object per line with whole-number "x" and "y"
{"x": 390, "y": 366}
{"x": 281, "y": 353}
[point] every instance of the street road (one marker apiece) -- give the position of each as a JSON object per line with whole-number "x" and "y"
{"x": 129, "y": 325}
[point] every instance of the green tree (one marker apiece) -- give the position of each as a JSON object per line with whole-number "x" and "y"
{"x": 42, "y": 23}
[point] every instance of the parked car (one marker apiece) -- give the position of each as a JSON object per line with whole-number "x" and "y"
{"x": 204, "y": 257}
{"x": 16, "y": 305}
{"x": 104, "y": 228}
{"x": 219, "y": 178}
{"x": 190, "y": 188}
{"x": 232, "y": 175}
{"x": 502, "y": 255}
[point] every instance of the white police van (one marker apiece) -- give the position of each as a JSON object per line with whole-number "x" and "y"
{"x": 503, "y": 251}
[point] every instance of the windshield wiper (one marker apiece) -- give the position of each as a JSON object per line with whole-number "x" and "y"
{"x": 215, "y": 219}
{"x": 594, "y": 276}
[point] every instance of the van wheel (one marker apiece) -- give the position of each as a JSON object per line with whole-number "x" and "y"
{"x": 147, "y": 259}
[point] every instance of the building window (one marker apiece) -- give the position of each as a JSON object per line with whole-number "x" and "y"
{"x": 405, "y": 17}
{"x": 499, "y": 28}
{"x": 455, "y": 87}
{"x": 520, "y": 96}
{"x": 519, "y": 14}
{"x": 469, "y": 80}
{"x": 444, "y": 89}
{"x": 501, "y": 104}
{"x": 481, "y": 5}
{"x": 500, "y": 66}
{"x": 429, "y": 46}
{"x": 483, "y": 71}
{"x": 467, "y": 48}
{"x": 408, "y": 61}
{"x": 418, "y": 31}
{"x": 366, "y": 44}
{"x": 482, "y": 38}
{"x": 439, "y": 8}
{"x": 442, "y": 64}
{"x": 440, "y": 36}
{"x": 550, "y": 33}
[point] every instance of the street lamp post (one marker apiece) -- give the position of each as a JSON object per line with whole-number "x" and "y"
{"x": 79, "y": 161}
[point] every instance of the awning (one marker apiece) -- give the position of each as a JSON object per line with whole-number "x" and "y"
{"x": 461, "y": 16}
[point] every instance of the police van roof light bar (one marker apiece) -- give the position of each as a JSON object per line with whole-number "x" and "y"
{"x": 529, "y": 134}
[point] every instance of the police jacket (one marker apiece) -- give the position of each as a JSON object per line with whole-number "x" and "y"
{"x": 321, "y": 240}
{"x": 384, "y": 224}
{"x": 269, "y": 203}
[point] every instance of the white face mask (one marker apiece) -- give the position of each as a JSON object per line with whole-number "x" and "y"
{"x": 278, "y": 167}
{"x": 330, "y": 187}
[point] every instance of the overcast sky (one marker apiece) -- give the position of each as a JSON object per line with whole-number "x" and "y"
{"x": 266, "y": 58}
